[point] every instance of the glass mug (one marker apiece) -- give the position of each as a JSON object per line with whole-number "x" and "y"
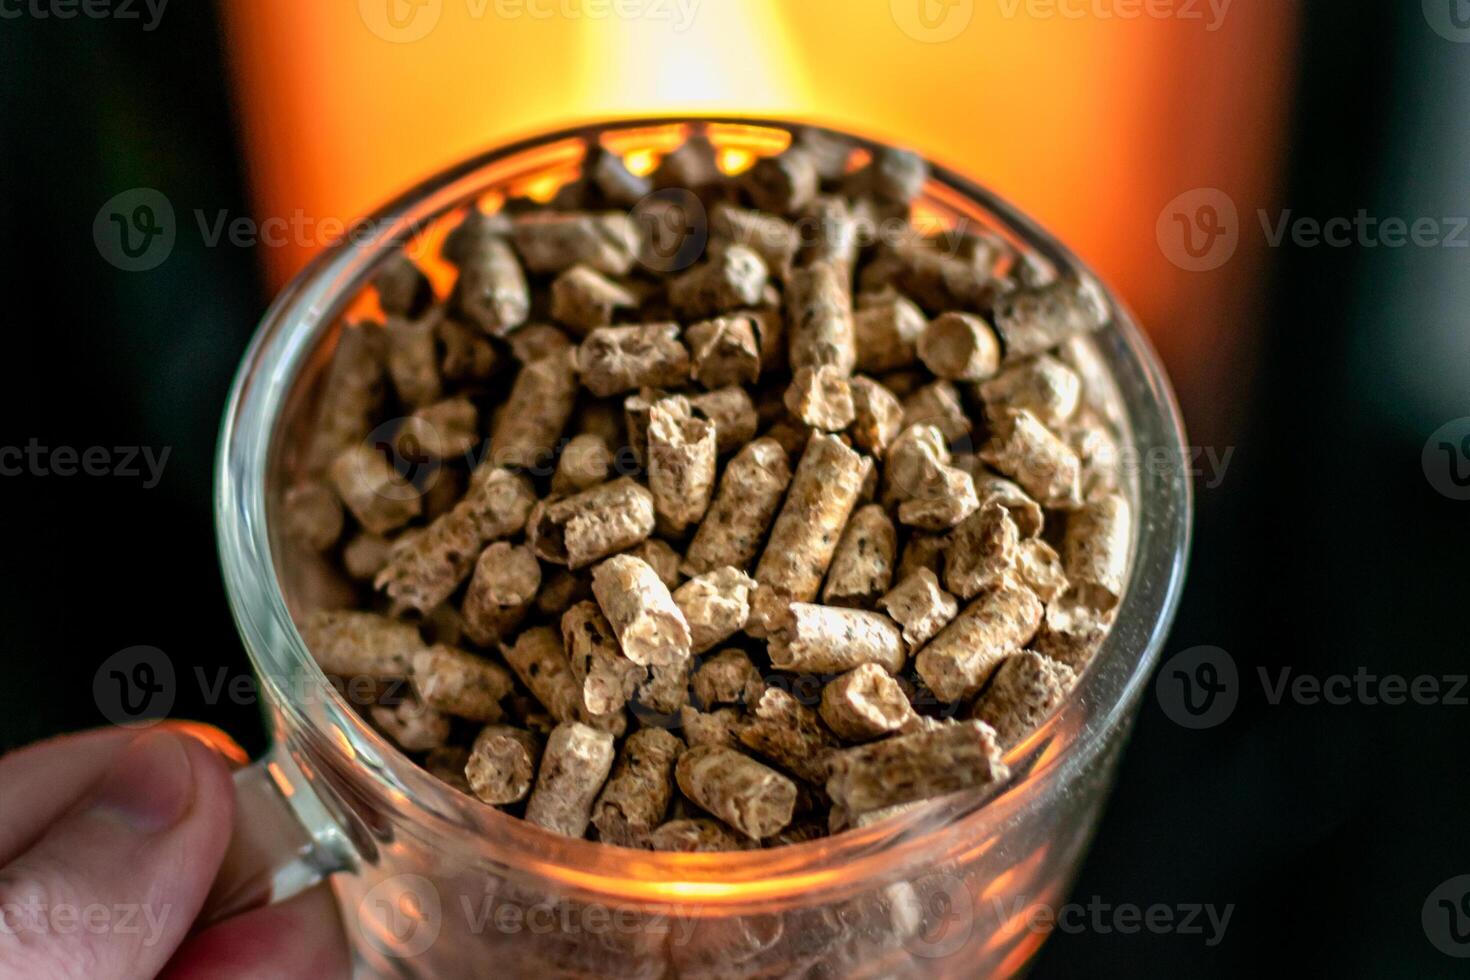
{"x": 433, "y": 883}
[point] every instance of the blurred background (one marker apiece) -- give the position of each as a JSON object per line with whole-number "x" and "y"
{"x": 1186, "y": 148}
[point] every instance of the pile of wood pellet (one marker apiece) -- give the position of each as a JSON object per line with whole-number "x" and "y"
{"x": 732, "y": 555}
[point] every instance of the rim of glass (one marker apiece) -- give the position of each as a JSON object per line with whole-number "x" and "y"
{"x": 1099, "y": 703}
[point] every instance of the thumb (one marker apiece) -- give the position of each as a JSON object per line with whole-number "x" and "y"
{"x": 113, "y": 886}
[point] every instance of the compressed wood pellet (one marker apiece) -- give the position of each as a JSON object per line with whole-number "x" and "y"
{"x": 734, "y": 278}
{"x": 782, "y": 184}
{"x": 922, "y": 551}
{"x": 830, "y": 232}
{"x": 958, "y": 662}
{"x": 413, "y": 727}
{"x": 945, "y": 497}
{"x": 1097, "y": 543}
{"x": 731, "y": 412}
{"x": 920, "y": 766}
{"x": 377, "y": 496}
{"x": 819, "y": 318}
{"x": 610, "y": 175}
{"x": 753, "y": 799}
{"x": 960, "y": 347}
{"x": 917, "y": 452}
{"x": 887, "y": 335}
{"x": 442, "y": 430}
{"x": 728, "y": 677}
{"x": 666, "y": 691}
{"x": 1071, "y": 633}
{"x": 893, "y": 176}
{"x": 503, "y": 586}
{"x": 502, "y": 764}
{"x": 1033, "y": 321}
{"x": 790, "y": 734}
{"x": 473, "y": 227}
{"x": 1040, "y": 567}
{"x": 1027, "y": 688}
{"x": 991, "y": 487}
{"x": 650, "y": 627}
{"x": 537, "y": 340}
{"x": 716, "y": 605}
{"x": 403, "y": 289}
{"x": 352, "y": 392}
{"x": 413, "y": 359}
{"x": 636, "y": 798}
{"x": 583, "y": 298}
{"x": 607, "y": 679}
{"x": 446, "y": 763}
{"x": 939, "y": 405}
{"x": 824, "y": 490}
{"x": 1036, "y": 458}
{"x": 986, "y": 547}
{"x": 682, "y": 457}
{"x": 360, "y": 644}
{"x": 364, "y": 555}
{"x": 770, "y": 237}
{"x": 920, "y": 607}
{"x": 579, "y": 530}
{"x": 539, "y": 660}
{"x": 574, "y": 765}
{"x": 749, "y": 494}
{"x": 423, "y": 570}
{"x": 1042, "y": 385}
{"x": 829, "y": 639}
{"x": 613, "y": 360}
{"x": 662, "y": 558}
{"x": 939, "y": 283}
{"x": 1097, "y": 450}
{"x": 865, "y": 703}
{"x": 696, "y": 835}
{"x": 877, "y": 416}
{"x": 821, "y": 397}
{"x": 459, "y": 683}
{"x": 312, "y": 513}
{"x": 584, "y": 463}
{"x": 491, "y": 291}
{"x": 725, "y": 350}
{"x": 715, "y": 727}
{"x": 607, "y": 242}
{"x": 862, "y": 567}
{"x": 694, "y": 164}
{"x": 536, "y": 412}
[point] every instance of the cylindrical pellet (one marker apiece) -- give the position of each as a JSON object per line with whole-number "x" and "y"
{"x": 1036, "y": 458}
{"x": 413, "y": 363}
{"x": 312, "y": 514}
{"x": 403, "y": 289}
{"x": 819, "y": 318}
{"x": 649, "y": 626}
{"x": 821, "y": 397}
{"x": 783, "y": 184}
{"x": 613, "y": 360}
{"x": 732, "y": 279}
{"x": 584, "y": 463}
{"x": 960, "y": 347}
{"x": 1033, "y": 321}
{"x": 862, "y": 568}
{"x": 731, "y": 412}
{"x": 584, "y": 299}
{"x": 577, "y": 531}
{"x": 829, "y": 639}
{"x": 574, "y": 766}
{"x": 920, "y": 607}
{"x": 682, "y": 456}
{"x": 412, "y": 725}
{"x": 735, "y": 525}
{"x": 352, "y": 391}
{"x": 938, "y": 404}
{"x": 548, "y": 242}
{"x": 790, "y": 734}
{"x": 769, "y": 236}
{"x": 606, "y": 677}
{"x": 501, "y": 590}
{"x": 865, "y": 703}
{"x": 887, "y": 335}
{"x": 502, "y": 764}
{"x": 728, "y": 677}
{"x": 753, "y": 799}
{"x": 540, "y": 661}
{"x": 957, "y": 663}
{"x": 535, "y": 414}
{"x": 1042, "y": 385}
{"x": 696, "y": 835}
{"x": 360, "y": 644}
{"x": 1098, "y": 539}
{"x": 716, "y": 605}
{"x": 442, "y": 430}
{"x": 877, "y": 416}
{"x": 983, "y": 550}
{"x": 491, "y": 291}
{"x": 636, "y": 797}
{"x": 1027, "y": 688}
{"x": 920, "y": 766}
{"x": 377, "y": 496}
{"x": 725, "y": 350}
{"x": 460, "y": 684}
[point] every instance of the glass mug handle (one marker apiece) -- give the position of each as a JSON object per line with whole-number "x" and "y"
{"x": 283, "y": 842}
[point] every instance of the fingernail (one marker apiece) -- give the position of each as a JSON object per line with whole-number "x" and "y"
{"x": 151, "y": 783}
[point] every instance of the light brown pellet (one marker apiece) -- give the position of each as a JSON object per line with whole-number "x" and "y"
{"x": 574, "y": 766}
{"x": 938, "y": 282}
{"x": 682, "y": 457}
{"x": 662, "y": 558}
{"x": 501, "y": 590}
{"x": 920, "y": 607}
{"x": 790, "y": 734}
{"x": 666, "y": 691}
{"x": 821, "y": 397}
{"x": 1097, "y": 542}
{"x": 403, "y": 289}
{"x": 865, "y": 703}
{"x": 734, "y": 278}
{"x": 537, "y": 340}
{"x": 830, "y": 639}
{"x": 649, "y": 626}
{"x": 460, "y": 684}
{"x": 352, "y": 392}
{"x": 696, "y": 835}
{"x": 413, "y": 359}
{"x": 1042, "y": 385}
{"x": 715, "y": 727}
{"x": 986, "y": 547}
{"x": 360, "y": 644}
{"x": 887, "y": 335}
{"x": 607, "y": 678}
{"x": 442, "y": 430}
{"x": 1036, "y": 458}
{"x": 584, "y": 463}
{"x": 1040, "y": 567}
{"x": 1027, "y": 688}
{"x": 1097, "y": 449}
{"x": 728, "y": 677}
{"x": 491, "y": 291}
{"x": 413, "y": 727}
{"x": 725, "y": 350}
{"x": 1071, "y": 633}
{"x": 1033, "y": 321}
{"x": 917, "y": 452}
{"x": 960, "y": 347}
{"x": 607, "y": 242}
{"x": 922, "y": 551}
{"x": 535, "y": 414}
{"x": 716, "y": 605}
{"x": 583, "y": 299}
{"x": 830, "y": 232}
{"x": 365, "y": 555}
{"x": 957, "y": 663}
{"x": 783, "y": 184}
{"x": 502, "y": 764}
{"x": 938, "y": 404}
{"x": 312, "y": 515}
{"x": 613, "y": 360}
{"x": 862, "y": 568}
{"x": 819, "y": 318}
{"x": 769, "y": 236}
{"x": 377, "y": 496}
{"x": 893, "y": 176}
{"x": 540, "y": 661}
{"x": 423, "y": 570}
{"x": 636, "y": 797}
{"x": 734, "y": 527}
{"x": 579, "y": 530}
{"x": 945, "y": 497}
{"x": 732, "y": 413}
{"x": 753, "y": 799}
{"x": 919, "y": 766}
{"x": 877, "y": 416}
{"x": 991, "y": 487}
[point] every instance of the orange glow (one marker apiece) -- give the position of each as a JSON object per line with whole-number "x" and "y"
{"x": 1021, "y": 955}
{"x": 283, "y": 783}
{"x": 214, "y": 738}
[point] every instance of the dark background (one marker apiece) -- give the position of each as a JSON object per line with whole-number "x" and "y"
{"x": 1326, "y": 548}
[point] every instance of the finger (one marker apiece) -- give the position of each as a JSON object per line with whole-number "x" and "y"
{"x": 301, "y": 939}
{"x": 110, "y": 890}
